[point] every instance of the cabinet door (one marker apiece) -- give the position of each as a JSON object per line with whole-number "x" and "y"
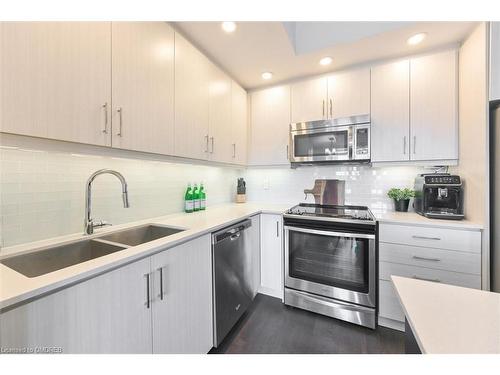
{"x": 270, "y": 126}
{"x": 219, "y": 117}
{"x": 182, "y": 317}
{"x": 309, "y": 100}
{"x": 106, "y": 314}
{"x": 390, "y": 112}
{"x": 143, "y": 86}
{"x": 56, "y": 80}
{"x": 433, "y": 107}
{"x": 192, "y": 71}
{"x": 271, "y": 255}
{"x": 239, "y": 126}
{"x": 494, "y": 60}
{"x": 254, "y": 243}
{"x": 349, "y": 93}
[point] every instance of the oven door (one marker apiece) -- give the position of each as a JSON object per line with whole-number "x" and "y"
{"x": 325, "y": 144}
{"x": 331, "y": 264}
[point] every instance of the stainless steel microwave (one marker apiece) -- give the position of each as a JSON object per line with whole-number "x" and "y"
{"x": 344, "y": 139}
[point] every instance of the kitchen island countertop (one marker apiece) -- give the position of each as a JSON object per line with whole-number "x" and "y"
{"x": 448, "y": 319}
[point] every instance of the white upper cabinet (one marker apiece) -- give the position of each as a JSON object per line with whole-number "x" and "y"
{"x": 270, "y": 124}
{"x": 495, "y": 61}
{"x": 219, "y": 116}
{"x": 239, "y": 126}
{"x": 434, "y": 106}
{"x": 390, "y": 112}
{"x": 349, "y": 93}
{"x": 56, "y": 80}
{"x": 143, "y": 86}
{"x": 309, "y": 100}
{"x": 192, "y": 72}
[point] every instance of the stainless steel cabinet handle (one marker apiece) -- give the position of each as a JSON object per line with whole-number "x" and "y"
{"x": 148, "y": 298}
{"x": 120, "y": 121}
{"x": 287, "y": 153}
{"x": 424, "y": 258}
{"x": 426, "y": 279}
{"x": 323, "y": 108}
{"x": 234, "y": 150}
{"x": 105, "y": 108}
{"x": 404, "y": 145}
{"x": 212, "y": 142}
{"x": 414, "y": 144}
{"x": 206, "y": 143}
{"x": 331, "y": 108}
{"x": 161, "y": 283}
{"x": 277, "y": 229}
{"x": 427, "y": 238}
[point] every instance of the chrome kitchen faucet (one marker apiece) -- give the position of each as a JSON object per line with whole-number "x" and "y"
{"x": 89, "y": 222}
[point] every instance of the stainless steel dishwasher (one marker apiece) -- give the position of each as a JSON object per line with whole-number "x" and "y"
{"x": 232, "y": 277}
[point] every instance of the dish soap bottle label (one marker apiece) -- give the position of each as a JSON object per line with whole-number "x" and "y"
{"x": 196, "y": 198}
{"x": 188, "y": 200}
{"x": 203, "y": 198}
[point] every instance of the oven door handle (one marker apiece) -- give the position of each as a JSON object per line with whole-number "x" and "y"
{"x": 329, "y": 233}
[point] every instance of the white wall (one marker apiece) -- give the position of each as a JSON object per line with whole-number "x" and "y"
{"x": 473, "y": 134}
{"x": 473, "y": 104}
{"x": 364, "y": 185}
{"x": 42, "y": 185}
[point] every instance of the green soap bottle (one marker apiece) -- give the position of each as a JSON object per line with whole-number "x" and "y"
{"x": 188, "y": 200}
{"x": 203, "y": 197}
{"x": 196, "y": 198}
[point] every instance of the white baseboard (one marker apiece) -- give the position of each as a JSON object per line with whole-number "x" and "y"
{"x": 271, "y": 292}
{"x": 390, "y": 323}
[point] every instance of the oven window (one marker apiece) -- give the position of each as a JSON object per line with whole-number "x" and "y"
{"x": 335, "y": 261}
{"x": 322, "y": 144}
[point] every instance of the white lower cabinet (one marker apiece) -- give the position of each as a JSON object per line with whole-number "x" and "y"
{"x": 271, "y": 255}
{"x": 106, "y": 314}
{"x": 449, "y": 256}
{"x": 254, "y": 245}
{"x": 182, "y": 298}
{"x": 133, "y": 309}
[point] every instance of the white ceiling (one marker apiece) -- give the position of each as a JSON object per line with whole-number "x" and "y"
{"x": 292, "y": 49}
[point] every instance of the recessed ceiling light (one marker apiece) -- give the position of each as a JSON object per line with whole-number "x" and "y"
{"x": 267, "y": 75}
{"x": 228, "y": 27}
{"x": 416, "y": 39}
{"x": 325, "y": 60}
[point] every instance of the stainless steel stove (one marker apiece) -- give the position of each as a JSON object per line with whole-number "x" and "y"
{"x": 327, "y": 212}
{"x": 330, "y": 261}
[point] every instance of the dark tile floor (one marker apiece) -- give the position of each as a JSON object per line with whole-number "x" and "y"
{"x": 271, "y": 327}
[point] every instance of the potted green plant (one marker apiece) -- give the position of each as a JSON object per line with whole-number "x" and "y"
{"x": 401, "y": 198}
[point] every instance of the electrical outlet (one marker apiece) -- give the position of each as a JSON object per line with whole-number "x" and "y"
{"x": 266, "y": 183}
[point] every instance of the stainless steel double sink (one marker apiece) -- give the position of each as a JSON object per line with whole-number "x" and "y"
{"x": 57, "y": 257}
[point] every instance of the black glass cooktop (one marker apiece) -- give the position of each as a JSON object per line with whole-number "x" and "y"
{"x": 332, "y": 212}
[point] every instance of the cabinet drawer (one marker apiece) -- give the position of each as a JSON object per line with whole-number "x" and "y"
{"x": 389, "y": 306}
{"x": 451, "y": 239}
{"x": 446, "y": 277}
{"x": 431, "y": 258}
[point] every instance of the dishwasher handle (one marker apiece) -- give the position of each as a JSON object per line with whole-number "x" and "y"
{"x": 233, "y": 232}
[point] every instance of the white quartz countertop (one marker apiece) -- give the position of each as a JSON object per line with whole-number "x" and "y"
{"x": 412, "y": 218}
{"x": 16, "y": 288}
{"x": 447, "y": 319}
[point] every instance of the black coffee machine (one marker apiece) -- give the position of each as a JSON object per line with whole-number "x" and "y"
{"x": 439, "y": 196}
